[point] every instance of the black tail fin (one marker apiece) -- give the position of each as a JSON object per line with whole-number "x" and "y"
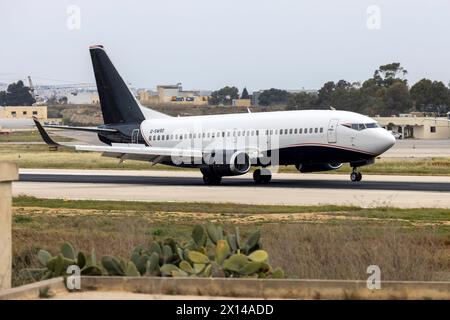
{"x": 117, "y": 102}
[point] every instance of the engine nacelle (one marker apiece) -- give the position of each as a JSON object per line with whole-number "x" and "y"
{"x": 316, "y": 167}
{"x": 238, "y": 163}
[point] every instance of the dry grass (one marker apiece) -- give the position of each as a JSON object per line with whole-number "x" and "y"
{"x": 312, "y": 251}
{"x": 307, "y": 242}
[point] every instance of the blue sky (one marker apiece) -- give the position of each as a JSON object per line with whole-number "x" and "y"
{"x": 206, "y": 44}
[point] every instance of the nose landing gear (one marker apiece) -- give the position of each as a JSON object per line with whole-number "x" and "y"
{"x": 355, "y": 176}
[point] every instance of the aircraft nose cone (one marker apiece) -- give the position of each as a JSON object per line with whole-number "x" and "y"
{"x": 390, "y": 139}
{"x": 387, "y": 140}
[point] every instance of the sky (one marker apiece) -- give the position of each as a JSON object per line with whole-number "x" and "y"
{"x": 207, "y": 44}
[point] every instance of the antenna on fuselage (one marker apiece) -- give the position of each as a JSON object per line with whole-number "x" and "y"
{"x": 332, "y": 108}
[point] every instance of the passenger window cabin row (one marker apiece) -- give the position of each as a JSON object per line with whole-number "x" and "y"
{"x": 235, "y": 133}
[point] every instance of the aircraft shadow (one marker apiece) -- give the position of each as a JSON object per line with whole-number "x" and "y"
{"x": 239, "y": 182}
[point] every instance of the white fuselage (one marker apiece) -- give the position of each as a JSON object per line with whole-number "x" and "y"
{"x": 315, "y": 135}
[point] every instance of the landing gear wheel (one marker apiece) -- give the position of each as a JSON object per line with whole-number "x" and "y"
{"x": 212, "y": 179}
{"x": 355, "y": 176}
{"x": 262, "y": 176}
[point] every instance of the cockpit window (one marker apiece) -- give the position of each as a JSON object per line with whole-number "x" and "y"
{"x": 372, "y": 125}
{"x": 361, "y": 126}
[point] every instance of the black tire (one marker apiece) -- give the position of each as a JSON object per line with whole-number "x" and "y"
{"x": 354, "y": 176}
{"x": 262, "y": 176}
{"x": 266, "y": 175}
{"x": 211, "y": 179}
{"x": 257, "y": 176}
{"x": 359, "y": 176}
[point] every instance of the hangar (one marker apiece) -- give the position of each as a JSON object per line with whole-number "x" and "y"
{"x": 411, "y": 126}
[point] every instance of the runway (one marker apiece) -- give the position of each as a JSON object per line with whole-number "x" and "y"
{"x": 285, "y": 189}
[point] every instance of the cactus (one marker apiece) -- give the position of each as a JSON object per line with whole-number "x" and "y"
{"x": 140, "y": 261}
{"x": 235, "y": 263}
{"x": 186, "y": 267}
{"x": 222, "y": 251}
{"x": 44, "y": 257}
{"x": 259, "y": 256}
{"x": 91, "y": 260}
{"x": 91, "y": 271}
{"x": 167, "y": 254}
{"x": 68, "y": 251}
{"x": 199, "y": 236}
{"x": 197, "y": 257}
{"x": 227, "y": 258}
{"x": 231, "y": 239}
{"x": 152, "y": 267}
{"x": 131, "y": 270}
{"x": 238, "y": 238}
{"x": 112, "y": 266}
{"x": 252, "y": 242}
{"x": 214, "y": 233}
{"x": 250, "y": 268}
{"x": 167, "y": 269}
{"x": 155, "y": 247}
{"x": 81, "y": 260}
{"x": 278, "y": 273}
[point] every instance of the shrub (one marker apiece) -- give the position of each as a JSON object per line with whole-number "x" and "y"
{"x": 212, "y": 252}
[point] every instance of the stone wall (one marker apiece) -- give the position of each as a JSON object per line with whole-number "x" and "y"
{"x": 8, "y": 173}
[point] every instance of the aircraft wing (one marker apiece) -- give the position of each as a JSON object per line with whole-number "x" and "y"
{"x": 141, "y": 152}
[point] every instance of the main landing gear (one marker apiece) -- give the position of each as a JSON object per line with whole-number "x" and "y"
{"x": 355, "y": 176}
{"x": 212, "y": 179}
{"x": 262, "y": 176}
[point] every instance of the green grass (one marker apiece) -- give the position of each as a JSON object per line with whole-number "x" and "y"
{"x": 27, "y": 136}
{"x": 39, "y": 156}
{"x": 392, "y": 166}
{"x": 206, "y": 207}
{"x": 422, "y": 214}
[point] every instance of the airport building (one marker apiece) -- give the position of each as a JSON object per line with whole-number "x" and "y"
{"x": 417, "y": 127}
{"x": 242, "y": 103}
{"x": 83, "y": 98}
{"x": 23, "y": 112}
{"x": 172, "y": 94}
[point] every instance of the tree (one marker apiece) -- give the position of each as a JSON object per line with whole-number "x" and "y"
{"x": 245, "y": 94}
{"x": 397, "y": 99}
{"x": 430, "y": 96}
{"x": 17, "y": 95}
{"x": 325, "y": 95}
{"x": 3, "y": 98}
{"x": 224, "y": 95}
{"x": 342, "y": 95}
{"x": 302, "y": 101}
{"x": 387, "y": 74}
{"x": 273, "y": 97}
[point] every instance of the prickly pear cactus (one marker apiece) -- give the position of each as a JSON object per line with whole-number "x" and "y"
{"x": 224, "y": 255}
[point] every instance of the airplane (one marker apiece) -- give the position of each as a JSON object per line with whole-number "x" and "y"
{"x": 227, "y": 144}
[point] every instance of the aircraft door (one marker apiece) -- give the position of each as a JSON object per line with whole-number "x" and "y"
{"x": 135, "y": 136}
{"x": 332, "y": 131}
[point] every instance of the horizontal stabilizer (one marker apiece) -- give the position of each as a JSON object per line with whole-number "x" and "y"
{"x": 87, "y": 129}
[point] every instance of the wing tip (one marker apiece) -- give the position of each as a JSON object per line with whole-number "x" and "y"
{"x": 44, "y": 134}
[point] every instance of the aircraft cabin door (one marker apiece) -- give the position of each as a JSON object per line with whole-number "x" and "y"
{"x": 135, "y": 136}
{"x": 332, "y": 131}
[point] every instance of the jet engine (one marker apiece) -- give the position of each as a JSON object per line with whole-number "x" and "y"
{"x": 238, "y": 163}
{"x": 316, "y": 167}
